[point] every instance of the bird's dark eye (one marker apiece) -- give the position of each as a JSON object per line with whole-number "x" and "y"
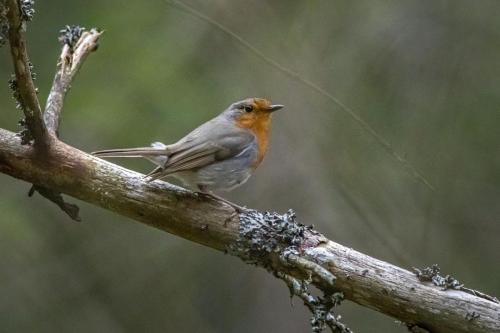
{"x": 248, "y": 108}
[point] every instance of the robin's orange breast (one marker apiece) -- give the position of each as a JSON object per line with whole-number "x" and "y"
{"x": 259, "y": 124}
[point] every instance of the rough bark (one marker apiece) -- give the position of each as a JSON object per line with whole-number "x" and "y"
{"x": 363, "y": 279}
{"x": 24, "y": 85}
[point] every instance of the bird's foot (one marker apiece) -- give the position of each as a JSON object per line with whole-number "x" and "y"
{"x": 237, "y": 208}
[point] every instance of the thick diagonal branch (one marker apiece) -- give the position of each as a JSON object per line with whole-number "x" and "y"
{"x": 365, "y": 280}
{"x": 24, "y": 81}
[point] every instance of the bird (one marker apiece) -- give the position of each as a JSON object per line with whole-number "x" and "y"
{"x": 220, "y": 154}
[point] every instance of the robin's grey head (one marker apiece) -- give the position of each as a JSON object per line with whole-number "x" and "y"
{"x": 251, "y": 108}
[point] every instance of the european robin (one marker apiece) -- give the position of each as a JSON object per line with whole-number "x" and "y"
{"x": 221, "y": 154}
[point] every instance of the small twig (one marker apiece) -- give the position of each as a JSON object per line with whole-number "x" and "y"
{"x": 56, "y": 197}
{"x": 480, "y": 294}
{"x": 27, "y": 92}
{"x": 320, "y": 308}
{"x": 296, "y": 76}
{"x": 70, "y": 61}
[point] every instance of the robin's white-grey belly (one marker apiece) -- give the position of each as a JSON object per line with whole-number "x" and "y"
{"x": 215, "y": 177}
{"x": 223, "y": 175}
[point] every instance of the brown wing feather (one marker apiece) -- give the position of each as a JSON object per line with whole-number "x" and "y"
{"x": 189, "y": 159}
{"x": 192, "y": 153}
{"x": 161, "y": 173}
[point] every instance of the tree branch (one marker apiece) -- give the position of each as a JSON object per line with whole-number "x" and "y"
{"x": 77, "y": 45}
{"x": 25, "y": 92}
{"x": 275, "y": 242}
{"x": 25, "y": 89}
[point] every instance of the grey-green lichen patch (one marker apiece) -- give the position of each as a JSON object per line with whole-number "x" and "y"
{"x": 431, "y": 274}
{"x": 70, "y": 35}
{"x": 15, "y": 92}
{"x": 324, "y": 317}
{"x": 279, "y": 243}
{"x": 24, "y": 134}
{"x": 321, "y": 307}
{"x": 27, "y": 9}
{"x": 261, "y": 234}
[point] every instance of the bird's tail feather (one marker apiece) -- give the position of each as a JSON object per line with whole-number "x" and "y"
{"x": 131, "y": 152}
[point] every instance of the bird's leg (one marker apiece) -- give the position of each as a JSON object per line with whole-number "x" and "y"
{"x": 239, "y": 209}
{"x": 204, "y": 191}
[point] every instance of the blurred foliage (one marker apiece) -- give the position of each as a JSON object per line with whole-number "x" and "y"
{"x": 425, "y": 74}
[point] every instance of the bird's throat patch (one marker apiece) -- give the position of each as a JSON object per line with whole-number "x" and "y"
{"x": 259, "y": 124}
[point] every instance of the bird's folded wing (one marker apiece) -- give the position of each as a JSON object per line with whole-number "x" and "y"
{"x": 194, "y": 154}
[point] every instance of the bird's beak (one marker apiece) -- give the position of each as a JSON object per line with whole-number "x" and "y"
{"x": 275, "y": 107}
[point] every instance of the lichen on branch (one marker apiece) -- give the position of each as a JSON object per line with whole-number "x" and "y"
{"x": 70, "y": 35}
{"x": 432, "y": 274}
{"x": 277, "y": 243}
{"x": 17, "y": 13}
{"x": 27, "y": 9}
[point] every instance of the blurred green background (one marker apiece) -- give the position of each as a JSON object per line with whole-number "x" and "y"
{"x": 424, "y": 74}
